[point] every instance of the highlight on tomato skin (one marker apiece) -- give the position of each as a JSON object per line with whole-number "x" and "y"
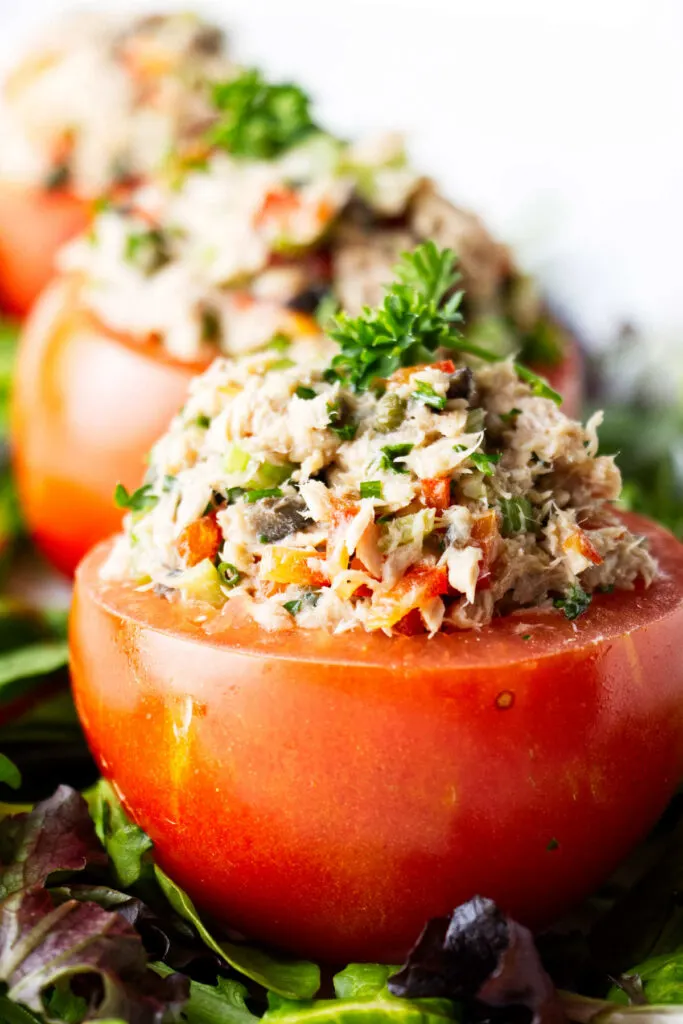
{"x": 87, "y": 406}
{"x": 346, "y": 788}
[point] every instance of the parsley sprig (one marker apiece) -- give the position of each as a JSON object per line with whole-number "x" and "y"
{"x": 420, "y": 314}
{"x": 414, "y": 320}
{"x": 259, "y": 119}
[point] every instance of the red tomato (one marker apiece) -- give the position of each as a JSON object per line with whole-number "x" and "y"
{"x": 330, "y": 793}
{"x": 34, "y": 224}
{"x": 88, "y": 405}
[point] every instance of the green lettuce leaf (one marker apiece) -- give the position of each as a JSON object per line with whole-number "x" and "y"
{"x": 125, "y": 843}
{"x": 362, "y": 996}
{"x": 292, "y": 979}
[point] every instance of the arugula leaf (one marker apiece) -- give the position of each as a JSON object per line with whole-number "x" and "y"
{"x": 292, "y": 979}
{"x": 9, "y": 773}
{"x": 414, "y": 321}
{"x": 259, "y": 119}
{"x": 574, "y": 603}
{"x": 141, "y": 500}
{"x": 125, "y": 843}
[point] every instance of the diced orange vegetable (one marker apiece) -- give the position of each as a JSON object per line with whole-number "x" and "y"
{"x": 201, "y": 539}
{"x": 293, "y": 565}
{"x": 278, "y": 204}
{"x": 485, "y": 535}
{"x": 582, "y": 545}
{"x": 436, "y": 492}
{"x": 420, "y": 584}
{"x": 403, "y": 375}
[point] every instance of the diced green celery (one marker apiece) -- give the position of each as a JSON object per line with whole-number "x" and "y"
{"x": 201, "y": 583}
{"x": 236, "y": 459}
{"x": 270, "y": 474}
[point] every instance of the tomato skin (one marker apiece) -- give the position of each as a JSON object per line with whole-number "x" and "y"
{"x": 330, "y": 793}
{"x": 87, "y": 407}
{"x": 34, "y": 224}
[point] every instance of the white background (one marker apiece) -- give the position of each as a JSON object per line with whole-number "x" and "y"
{"x": 561, "y": 122}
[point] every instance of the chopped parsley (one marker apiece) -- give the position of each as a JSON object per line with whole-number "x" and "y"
{"x": 341, "y": 422}
{"x": 371, "y": 489}
{"x": 424, "y": 392}
{"x": 147, "y": 251}
{"x": 310, "y": 599}
{"x": 141, "y": 500}
{"x": 485, "y": 463}
{"x": 415, "y": 319}
{"x": 203, "y": 422}
{"x": 390, "y": 453}
{"x": 306, "y": 393}
{"x": 518, "y": 515}
{"x": 539, "y": 387}
{"x": 574, "y": 603}
{"x": 229, "y": 574}
{"x": 259, "y": 120}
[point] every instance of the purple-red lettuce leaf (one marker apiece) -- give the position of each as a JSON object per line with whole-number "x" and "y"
{"x": 48, "y": 943}
{"x": 481, "y": 958}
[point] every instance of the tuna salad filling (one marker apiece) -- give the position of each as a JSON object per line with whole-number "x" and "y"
{"x": 271, "y": 218}
{"x": 149, "y": 79}
{"x": 388, "y": 476}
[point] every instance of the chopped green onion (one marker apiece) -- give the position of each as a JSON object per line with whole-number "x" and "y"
{"x": 310, "y": 598}
{"x": 305, "y": 393}
{"x": 424, "y": 392}
{"x": 203, "y": 422}
{"x": 280, "y": 364}
{"x": 279, "y": 342}
{"x": 371, "y": 489}
{"x": 511, "y": 416}
{"x": 391, "y": 412}
{"x": 265, "y": 492}
{"x": 229, "y": 574}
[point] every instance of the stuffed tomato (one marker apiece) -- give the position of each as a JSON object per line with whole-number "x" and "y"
{"x": 95, "y": 106}
{"x": 234, "y": 258}
{"x": 374, "y": 638}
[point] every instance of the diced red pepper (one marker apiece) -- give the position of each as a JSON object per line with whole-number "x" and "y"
{"x": 436, "y": 492}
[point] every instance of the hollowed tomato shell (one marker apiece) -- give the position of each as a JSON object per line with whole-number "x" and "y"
{"x": 330, "y": 793}
{"x": 34, "y": 224}
{"x": 88, "y": 405}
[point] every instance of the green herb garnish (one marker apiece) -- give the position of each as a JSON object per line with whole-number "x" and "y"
{"x": 511, "y": 416}
{"x": 306, "y": 393}
{"x": 485, "y": 463}
{"x": 310, "y": 599}
{"x": 425, "y": 393}
{"x": 265, "y": 492}
{"x": 203, "y": 422}
{"x": 371, "y": 489}
{"x": 258, "y": 119}
{"x": 141, "y": 500}
{"x": 414, "y": 320}
{"x": 574, "y": 603}
{"x": 391, "y": 452}
{"x": 518, "y": 515}
{"x": 229, "y": 574}
{"x": 539, "y": 386}
{"x": 341, "y": 422}
{"x": 147, "y": 250}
